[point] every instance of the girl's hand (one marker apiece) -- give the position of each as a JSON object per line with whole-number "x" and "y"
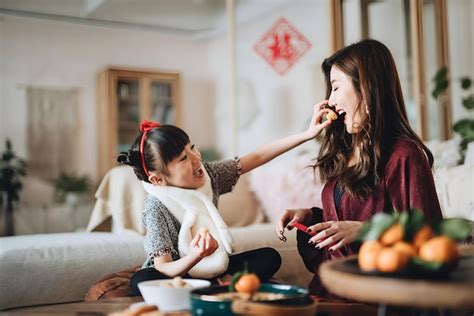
{"x": 302, "y": 215}
{"x": 203, "y": 245}
{"x": 334, "y": 233}
{"x": 316, "y": 125}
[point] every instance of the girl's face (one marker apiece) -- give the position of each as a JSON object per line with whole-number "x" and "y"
{"x": 186, "y": 171}
{"x": 344, "y": 98}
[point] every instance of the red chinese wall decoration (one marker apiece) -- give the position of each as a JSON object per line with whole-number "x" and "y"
{"x": 282, "y": 45}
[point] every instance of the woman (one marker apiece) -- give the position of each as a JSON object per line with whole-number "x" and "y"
{"x": 370, "y": 158}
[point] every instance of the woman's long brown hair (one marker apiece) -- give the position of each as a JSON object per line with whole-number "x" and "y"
{"x": 370, "y": 66}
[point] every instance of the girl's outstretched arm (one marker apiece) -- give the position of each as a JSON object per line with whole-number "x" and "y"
{"x": 269, "y": 151}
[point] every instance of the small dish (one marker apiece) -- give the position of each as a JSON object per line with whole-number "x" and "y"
{"x": 167, "y": 299}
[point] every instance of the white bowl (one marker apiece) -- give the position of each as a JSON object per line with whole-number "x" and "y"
{"x": 169, "y": 298}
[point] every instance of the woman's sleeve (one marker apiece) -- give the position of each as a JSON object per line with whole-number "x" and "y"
{"x": 157, "y": 241}
{"x": 224, "y": 174}
{"x": 410, "y": 183}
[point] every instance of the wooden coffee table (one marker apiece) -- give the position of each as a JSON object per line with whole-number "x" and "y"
{"x": 102, "y": 307}
{"x": 116, "y": 305}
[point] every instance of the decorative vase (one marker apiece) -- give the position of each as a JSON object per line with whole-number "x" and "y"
{"x": 72, "y": 199}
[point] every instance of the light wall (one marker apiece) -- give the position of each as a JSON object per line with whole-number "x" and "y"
{"x": 58, "y": 54}
{"x": 270, "y": 105}
{"x": 461, "y": 51}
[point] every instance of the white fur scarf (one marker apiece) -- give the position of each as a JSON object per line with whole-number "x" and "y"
{"x": 194, "y": 209}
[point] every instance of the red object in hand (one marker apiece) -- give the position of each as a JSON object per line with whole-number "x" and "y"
{"x": 302, "y": 227}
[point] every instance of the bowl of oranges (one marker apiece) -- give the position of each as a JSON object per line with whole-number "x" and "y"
{"x": 405, "y": 244}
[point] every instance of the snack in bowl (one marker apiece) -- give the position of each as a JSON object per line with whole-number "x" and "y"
{"x": 170, "y": 294}
{"x": 405, "y": 243}
{"x": 176, "y": 282}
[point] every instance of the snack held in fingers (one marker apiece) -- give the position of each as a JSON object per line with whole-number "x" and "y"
{"x": 332, "y": 116}
{"x": 203, "y": 231}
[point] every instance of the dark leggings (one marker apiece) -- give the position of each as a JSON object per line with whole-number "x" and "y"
{"x": 264, "y": 262}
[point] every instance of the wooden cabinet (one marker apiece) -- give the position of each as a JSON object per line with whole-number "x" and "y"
{"x": 125, "y": 97}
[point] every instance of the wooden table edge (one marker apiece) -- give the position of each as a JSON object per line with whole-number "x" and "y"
{"x": 400, "y": 292}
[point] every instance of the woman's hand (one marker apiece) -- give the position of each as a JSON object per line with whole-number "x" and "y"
{"x": 334, "y": 233}
{"x": 316, "y": 125}
{"x": 302, "y": 215}
{"x": 203, "y": 245}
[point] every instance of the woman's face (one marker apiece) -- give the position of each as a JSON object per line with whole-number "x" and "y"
{"x": 344, "y": 98}
{"x": 186, "y": 171}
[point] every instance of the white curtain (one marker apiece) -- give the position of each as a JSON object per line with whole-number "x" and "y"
{"x": 53, "y": 131}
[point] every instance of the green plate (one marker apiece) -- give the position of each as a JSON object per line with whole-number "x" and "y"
{"x": 205, "y": 302}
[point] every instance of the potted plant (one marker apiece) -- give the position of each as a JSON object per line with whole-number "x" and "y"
{"x": 69, "y": 187}
{"x": 464, "y": 127}
{"x": 12, "y": 169}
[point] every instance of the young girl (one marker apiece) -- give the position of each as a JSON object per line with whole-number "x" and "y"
{"x": 181, "y": 188}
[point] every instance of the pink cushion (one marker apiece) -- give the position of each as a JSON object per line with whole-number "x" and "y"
{"x": 287, "y": 184}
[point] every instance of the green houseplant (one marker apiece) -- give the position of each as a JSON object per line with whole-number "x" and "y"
{"x": 464, "y": 127}
{"x": 12, "y": 169}
{"x": 69, "y": 186}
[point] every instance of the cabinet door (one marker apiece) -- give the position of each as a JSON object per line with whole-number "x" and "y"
{"x": 128, "y": 112}
{"x": 163, "y": 108}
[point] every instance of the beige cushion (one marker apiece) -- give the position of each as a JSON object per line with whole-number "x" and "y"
{"x": 240, "y": 207}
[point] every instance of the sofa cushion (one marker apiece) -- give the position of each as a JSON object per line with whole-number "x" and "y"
{"x": 454, "y": 187}
{"x": 57, "y": 268}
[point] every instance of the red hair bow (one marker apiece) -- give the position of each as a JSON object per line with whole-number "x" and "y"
{"x": 145, "y": 127}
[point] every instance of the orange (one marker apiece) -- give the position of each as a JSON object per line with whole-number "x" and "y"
{"x": 390, "y": 260}
{"x": 393, "y": 234}
{"x": 368, "y": 254}
{"x": 405, "y": 248}
{"x": 422, "y": 236}
{"x": 440, "y": 249}
{"x": 247, "y": 283}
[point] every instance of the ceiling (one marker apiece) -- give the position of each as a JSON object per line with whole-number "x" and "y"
{"x": 188, "y": 17}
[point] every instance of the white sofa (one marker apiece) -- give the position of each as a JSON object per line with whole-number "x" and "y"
{"x": 57, "y": 268}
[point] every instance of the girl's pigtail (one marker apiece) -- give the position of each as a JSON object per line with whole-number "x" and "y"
{"x": 131, "y": 158}
{"x": 124, "y": 158}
